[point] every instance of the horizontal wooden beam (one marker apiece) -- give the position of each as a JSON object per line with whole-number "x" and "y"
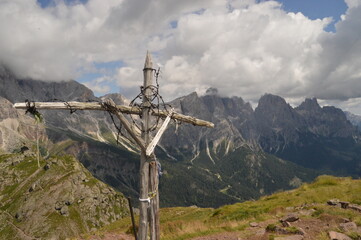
{"x": 121, "y": 108}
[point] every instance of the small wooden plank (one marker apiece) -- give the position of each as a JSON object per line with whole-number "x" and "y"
{"x": 159, "y": 134}
{"x": 121, "y": 108}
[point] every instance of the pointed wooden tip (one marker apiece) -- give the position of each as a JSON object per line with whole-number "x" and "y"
{"x": 148, "y": 61}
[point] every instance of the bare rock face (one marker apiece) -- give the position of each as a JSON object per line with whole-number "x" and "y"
{"x": 277, "y": 118}
{"x": 17, "y": 129}
{"x": 354, "y": 119}
{"x": 305, "y": 134}
{"x": 327, "y": 121}
{"x": 233, "y": 119}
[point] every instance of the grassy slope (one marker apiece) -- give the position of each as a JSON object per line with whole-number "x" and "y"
{"x": 30, "y": 194}
{"x": 188, "y": 222}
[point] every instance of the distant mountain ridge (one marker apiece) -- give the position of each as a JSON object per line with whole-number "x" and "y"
{"x": 229, "y": 163}
{"x": 18, "y": 90}
{"x": 308, "y": 135}
{"x": 354, "y": 119}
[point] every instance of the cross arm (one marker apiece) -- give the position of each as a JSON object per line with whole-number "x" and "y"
{"x": 121, "y": 108}
{"x": 106, "y": 106}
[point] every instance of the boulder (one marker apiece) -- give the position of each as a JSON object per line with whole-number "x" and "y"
{"x": 105, "y": 190}
{"x": 355, "y": 207}
{"x": 338, "y": 236}
{"x": 286, "y": 224}
{"x": 301, "y": 231}
{"x": 33, "y": 187}
{"x": 19, "y": 216}
{"x": 333, "y": 202}
{"x": 292, "y": 217}
{"x": 349, "y": 226}
{"x": 294, "y": 237}
{"x": 344, "y": 204}
{"x": 47, "y": 167}
{"x": 64, "y": 210}
{"x": 59, "y": 205}
{"x": 254, "y": 224}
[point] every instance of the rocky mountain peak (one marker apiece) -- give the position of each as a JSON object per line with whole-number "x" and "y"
{"x": 310, "y": 104}
{"x": 18, "y": 90}
{"x": 354, "y": 119}
{"x": 274, "y": 111}
{"x": 271, "y": 100}
{"x": 212, "y": 91}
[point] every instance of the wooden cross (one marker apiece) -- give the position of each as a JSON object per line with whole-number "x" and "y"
{"x": 149, "y": 196}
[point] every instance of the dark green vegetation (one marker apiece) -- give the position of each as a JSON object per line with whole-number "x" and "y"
{"x": 237, "y": 176}
{"x": 333, "y": 155}
{"x": 57, "y": 200}
{"x": 185, "y": 223}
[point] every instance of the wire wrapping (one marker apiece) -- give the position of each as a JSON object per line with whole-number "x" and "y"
{"x": 66, "y": 104}
{"x": 153, "y": 97}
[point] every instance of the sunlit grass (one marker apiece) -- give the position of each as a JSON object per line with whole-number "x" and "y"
{"x": 189, "y": 222}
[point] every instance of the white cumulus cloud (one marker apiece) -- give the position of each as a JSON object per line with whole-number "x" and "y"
{"x": 242, "y": 47}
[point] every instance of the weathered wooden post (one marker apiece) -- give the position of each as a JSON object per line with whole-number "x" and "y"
{"x": 154, "y": 210}
{"x": 144, "y": 160}
{"x": 148, "y": 193}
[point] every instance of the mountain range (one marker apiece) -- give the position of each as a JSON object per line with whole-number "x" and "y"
{"x": 249, "y": 153}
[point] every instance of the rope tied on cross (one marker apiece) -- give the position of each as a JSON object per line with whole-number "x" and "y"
{"x": 31, "y": 108}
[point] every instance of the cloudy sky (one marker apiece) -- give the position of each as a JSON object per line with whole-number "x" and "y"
{"x": 292, "y": 48}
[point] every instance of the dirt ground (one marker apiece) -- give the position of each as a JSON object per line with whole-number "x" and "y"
{"x": 113, "y": 236}
{"x": 312, "y": 228}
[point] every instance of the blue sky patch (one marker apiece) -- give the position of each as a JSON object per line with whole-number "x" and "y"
{"x": 49, "y": 3}
{"x": 317, "y": 9}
